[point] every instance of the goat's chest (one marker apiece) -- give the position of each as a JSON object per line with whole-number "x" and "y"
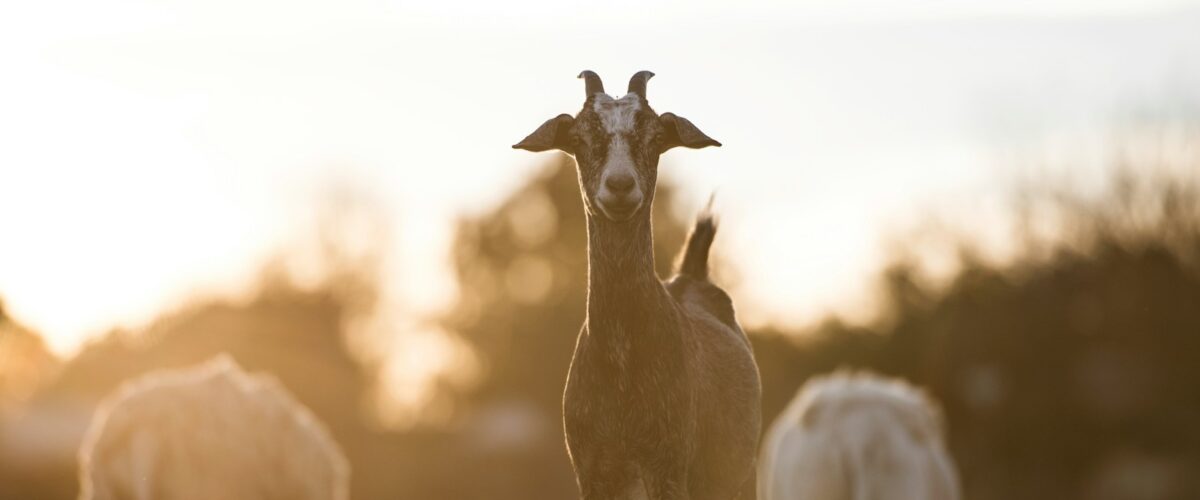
{"x": 630, "y": 391}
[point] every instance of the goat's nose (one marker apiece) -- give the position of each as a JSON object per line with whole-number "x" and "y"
{"x": 619, "y": 183}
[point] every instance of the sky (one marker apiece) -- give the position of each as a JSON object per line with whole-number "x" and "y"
{"x": 152, "y": 150}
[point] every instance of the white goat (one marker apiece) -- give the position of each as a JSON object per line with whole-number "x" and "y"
{"x": 209, "y": 432}
{"x": 857, "y": 436}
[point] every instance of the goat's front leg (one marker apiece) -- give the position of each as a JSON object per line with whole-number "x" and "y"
{"x": 604, "y": 476}
{"x": 667, "y": 476}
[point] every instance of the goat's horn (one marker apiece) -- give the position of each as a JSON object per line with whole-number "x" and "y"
{"x": 592, "y": 82}
{"x": 637, "y": 84}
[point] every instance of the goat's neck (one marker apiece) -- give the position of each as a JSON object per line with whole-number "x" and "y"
{"x": 623, "y": 289}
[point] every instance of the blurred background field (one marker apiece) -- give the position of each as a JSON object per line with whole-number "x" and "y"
{"x": 998, "y": 202}
{"x": 1067, "y": 370}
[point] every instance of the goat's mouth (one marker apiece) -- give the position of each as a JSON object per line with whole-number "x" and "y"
{"x": 619, "y": 210}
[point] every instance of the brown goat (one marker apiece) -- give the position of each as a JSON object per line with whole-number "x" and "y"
{"x": 663, "y": 396}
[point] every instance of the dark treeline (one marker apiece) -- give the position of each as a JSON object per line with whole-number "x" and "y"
{"x": 1069, "y": 371}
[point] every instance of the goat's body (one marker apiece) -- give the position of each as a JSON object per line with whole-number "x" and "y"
{"x": 662, "y": 399}
{"x": 209, "y": 432}
{"x": 857, "y": 437}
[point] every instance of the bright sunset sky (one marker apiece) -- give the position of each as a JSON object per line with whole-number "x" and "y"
{"x": 152, "y": 149}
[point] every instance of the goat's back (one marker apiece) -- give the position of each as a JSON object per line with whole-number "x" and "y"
{"x": 857, "y": 437}
{"x": 208, "y": 432}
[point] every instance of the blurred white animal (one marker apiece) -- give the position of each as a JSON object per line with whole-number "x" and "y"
{"x": 209, "y": 432}
{"x": 857, "y": 436}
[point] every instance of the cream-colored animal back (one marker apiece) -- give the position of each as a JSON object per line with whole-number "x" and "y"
{"x": 857, "y": 436}
{"x": 207, "y": 432}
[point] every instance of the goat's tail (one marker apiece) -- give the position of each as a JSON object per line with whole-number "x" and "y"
{"x": 695, "y": 254}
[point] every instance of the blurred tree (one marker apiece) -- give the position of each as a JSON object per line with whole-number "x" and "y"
{"x": 25, "y": 362}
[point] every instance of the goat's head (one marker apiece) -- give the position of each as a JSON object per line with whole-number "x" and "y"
{"x": 616, "y": 144}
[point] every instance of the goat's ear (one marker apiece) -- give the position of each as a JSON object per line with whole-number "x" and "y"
{"x": 681, "y": 132}
{"x": 551, "y": 135}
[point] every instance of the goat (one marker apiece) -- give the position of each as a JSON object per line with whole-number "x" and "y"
{"x": 663, "y": 397}
{"x": 857, "y": 436}
{"x": 205, "y": 432}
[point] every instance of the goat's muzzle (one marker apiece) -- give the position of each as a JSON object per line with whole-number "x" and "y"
{"x": 619, "y": 207}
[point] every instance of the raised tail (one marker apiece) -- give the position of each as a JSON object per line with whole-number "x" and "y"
{"x": 695, "y": 254}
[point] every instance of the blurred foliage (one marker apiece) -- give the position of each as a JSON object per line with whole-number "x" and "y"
{"x": 1070, "y": 370}
{"x": 25, "y": 362}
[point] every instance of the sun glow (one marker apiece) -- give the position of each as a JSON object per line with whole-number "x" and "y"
{"x": 154, "y": 151}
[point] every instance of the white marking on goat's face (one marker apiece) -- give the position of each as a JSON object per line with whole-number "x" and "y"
{"x": 623, "y": 180}
{"x": 617, "y": 115}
